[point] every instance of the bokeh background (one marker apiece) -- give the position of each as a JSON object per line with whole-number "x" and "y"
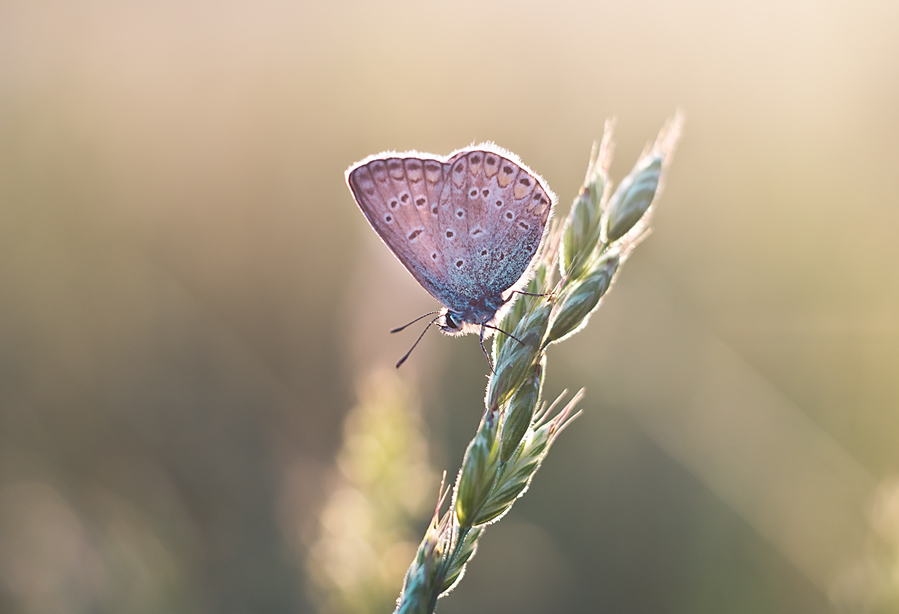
{"x": 191, "y": 304}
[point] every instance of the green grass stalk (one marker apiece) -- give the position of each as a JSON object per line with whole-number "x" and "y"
{"x": 576, "y": 267}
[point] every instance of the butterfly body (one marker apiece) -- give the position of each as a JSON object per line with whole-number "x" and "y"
{"x": 466, "y": 226}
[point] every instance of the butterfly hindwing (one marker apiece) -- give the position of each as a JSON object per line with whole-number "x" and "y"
{"x": 506, "y": 209}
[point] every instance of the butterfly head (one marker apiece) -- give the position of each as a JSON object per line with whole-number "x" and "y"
{"x": 455, "y": 323}
{"x": 451, "y": 322}
{"x": 469, "y": 320}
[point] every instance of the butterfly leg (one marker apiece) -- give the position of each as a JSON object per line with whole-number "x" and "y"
{"x": 511, "y": 336}
{"x": 531, "y": 293}
{"x": 486, "y": 353}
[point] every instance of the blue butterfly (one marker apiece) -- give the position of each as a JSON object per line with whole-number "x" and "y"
{"x": 466, "y": 226}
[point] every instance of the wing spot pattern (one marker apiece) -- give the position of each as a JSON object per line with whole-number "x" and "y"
{"x": 460, "y": 213}
{"x": 413, "y": 171}
{"x": 450, "y": 234}
{"x": 510, "y": 215}
{"x": 499, "y": 203}
{"x": 490, "y": 166}
{"x": 421, "y": 202}
{"x": 395, "y": 168}
{"x": 414, "y": 234}
{"x": 378, "y": 171}
{"x": 473, "y": 193}
{"x": 433, "y": 173}
{"x": 459, "y": 263}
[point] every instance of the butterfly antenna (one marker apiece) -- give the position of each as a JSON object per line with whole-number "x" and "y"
{"x": 405, "y": 326}
{"x": 406, "y": 355}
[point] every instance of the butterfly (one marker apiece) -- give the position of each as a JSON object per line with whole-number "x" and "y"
{"x": 466, "y": 226}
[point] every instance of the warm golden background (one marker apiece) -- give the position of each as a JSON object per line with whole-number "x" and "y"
{"x": 190, "y": 300}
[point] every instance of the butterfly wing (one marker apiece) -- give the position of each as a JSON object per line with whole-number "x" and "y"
{"x": 503, "y": 209}
{"x": 400, "y": 197}
{"x": 466, "y": 227}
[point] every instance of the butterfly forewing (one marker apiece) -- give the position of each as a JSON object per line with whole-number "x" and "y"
{"x": 466, "y": 226}
{"x": 408, "y": 228}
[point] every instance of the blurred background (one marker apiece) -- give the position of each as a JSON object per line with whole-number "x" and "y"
{"x": 194, "y": 314}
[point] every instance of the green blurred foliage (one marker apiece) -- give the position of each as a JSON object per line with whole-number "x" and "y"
{"x": 180, "y": 290}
